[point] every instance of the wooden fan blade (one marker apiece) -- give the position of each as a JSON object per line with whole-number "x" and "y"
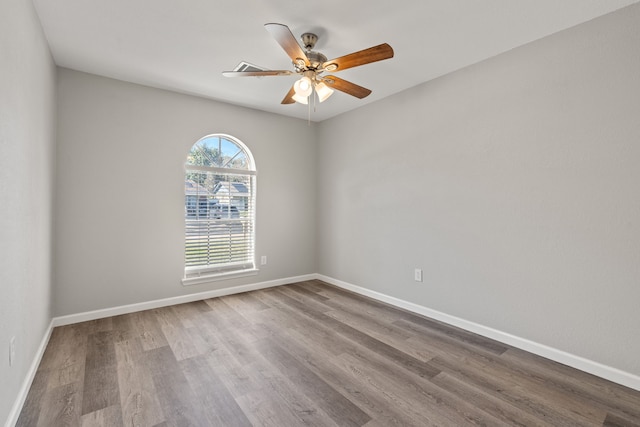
{"x": 347, "y": 87}
{"x": 288, "y": 99}
{"x": 366, "y": 56}
{"x": 257, "y": 73}
{"x": 286, "y": 39}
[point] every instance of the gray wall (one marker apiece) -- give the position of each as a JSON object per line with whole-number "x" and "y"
{"x": 513, "y": 183}
{"x": 27, "y": 136}
{"x": 120, "y": 191}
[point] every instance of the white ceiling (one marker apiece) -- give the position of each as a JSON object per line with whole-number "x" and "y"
{"x": 185, "y": 45}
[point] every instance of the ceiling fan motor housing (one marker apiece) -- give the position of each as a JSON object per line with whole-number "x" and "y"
{"x": 316, "y": 59}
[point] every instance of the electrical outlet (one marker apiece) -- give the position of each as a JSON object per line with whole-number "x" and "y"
{"x": 263, "y": 260}
{"x": 12, "y": 350}
{"x": 417, "y": 275}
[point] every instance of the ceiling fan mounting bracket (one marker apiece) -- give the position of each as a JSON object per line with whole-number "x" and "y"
{"x": 309, "y": 40}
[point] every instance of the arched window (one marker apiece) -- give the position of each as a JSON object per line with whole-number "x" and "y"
{"x": 219, "y": 209}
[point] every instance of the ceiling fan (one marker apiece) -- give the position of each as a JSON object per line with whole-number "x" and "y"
{"x": 312, "y": 65}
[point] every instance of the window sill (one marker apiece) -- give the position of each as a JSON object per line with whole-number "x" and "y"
{"x": 213, "y": 277}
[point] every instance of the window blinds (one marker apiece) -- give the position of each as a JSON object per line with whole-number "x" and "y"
{"x": 219, "y": 218}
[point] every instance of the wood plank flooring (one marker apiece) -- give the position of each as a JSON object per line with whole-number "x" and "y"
{"x": 305, "y": 354}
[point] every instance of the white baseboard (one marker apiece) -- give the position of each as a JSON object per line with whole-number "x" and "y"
{"x": 132, "y": 308}
{"x": 612, "y": 374}
{"x": 26, "y": 384}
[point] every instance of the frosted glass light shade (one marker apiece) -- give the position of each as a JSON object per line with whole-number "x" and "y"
{"x": 303, "y": 87}
{"x": 323, "y": 91}
{"x": 300, "y": 99}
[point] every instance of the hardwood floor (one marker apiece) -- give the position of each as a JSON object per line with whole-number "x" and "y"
{"x": 305, "y": 354}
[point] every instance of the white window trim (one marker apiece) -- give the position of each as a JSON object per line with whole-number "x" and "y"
{"x": 214, "y": 277}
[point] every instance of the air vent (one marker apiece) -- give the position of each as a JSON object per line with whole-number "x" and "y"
{"x": 245, "y": 66}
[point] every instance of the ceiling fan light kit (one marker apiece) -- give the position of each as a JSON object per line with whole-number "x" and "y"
{"x": 311, "y": 65}
{"x": 308, "y": 84}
